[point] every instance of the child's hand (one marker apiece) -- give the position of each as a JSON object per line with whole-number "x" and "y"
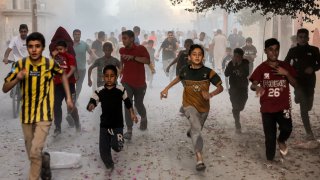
{"x": 70, "y": 104}
{"x": 164, "y": 94}
{"x": 206, "y": 95}
{"x": 90, "y": 107}
{"x": 134, "y": 118}
{"x": 54, "y": 53}
{"x": 21, "y": 74}
{"x": 259, "y": 91}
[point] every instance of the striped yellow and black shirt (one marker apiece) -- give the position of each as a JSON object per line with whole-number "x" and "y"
{"x": 37, "y": 89}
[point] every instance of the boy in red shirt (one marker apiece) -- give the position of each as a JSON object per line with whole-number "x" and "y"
{"x": 271, "y": 81}
{"x": 68, "y": 63}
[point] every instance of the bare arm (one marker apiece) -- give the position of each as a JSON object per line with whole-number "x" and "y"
{"x": 6, "y": 55}
{"x": 217, "y": 91}
{"x": 66, "y": 87}
{"x": 89, "y": 75}
{"x": 72, "y": 70}
{"x": 164, "y": 93}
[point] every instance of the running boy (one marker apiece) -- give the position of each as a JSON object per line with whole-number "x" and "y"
{"x": 35, "y": 75}
{"x": 111, "y": 127}
{"x": 68, "y": 63}
{"x": 100, "y": 63}
{"x": 196, "y": 79}
{"x": 271, "y": 81}
{"x": 237, "y": 71}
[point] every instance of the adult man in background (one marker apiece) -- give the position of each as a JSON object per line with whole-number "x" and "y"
{"x": 17, "y": 45}
{"x": 133, "y": 58}
{"x": 80, "y": 48}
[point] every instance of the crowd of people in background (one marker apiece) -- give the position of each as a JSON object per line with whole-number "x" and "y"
{"x": 195, "y": 59}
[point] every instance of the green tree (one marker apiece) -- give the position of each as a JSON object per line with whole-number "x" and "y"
{"x": 308, "y": 8}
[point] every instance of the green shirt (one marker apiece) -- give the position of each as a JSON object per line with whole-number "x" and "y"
{"x": 81, "y": 50}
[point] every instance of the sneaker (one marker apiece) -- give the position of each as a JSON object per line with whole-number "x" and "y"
{"x": 45, "y": 169}
{"x": 109, "y": 165}
{"x": 70, "y": 120}
{"x": 143, "y": 125}
{"x": 189, "y": 133}
{"x": 127, "y": 135}
{"x": 238, "y": 131}
{"x": 56, "y": 132}
{"x": 200, "y": 166}
{"x": 310, "y": 137}
{"x": 283, "y": 149}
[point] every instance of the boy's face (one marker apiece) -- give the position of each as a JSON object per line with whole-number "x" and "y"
{"x": 249, "y": 43}
{"x": 110, "y": 78}
{"x": 126, "y": 40}
{"x": 196, "y": 56}
{"x": 272, "y": 52}
{"x": 150, "y": 45}
{"x": 107, "y": 51}
{"x": 187, "y": 45}
{"x": 237, "y": 58}
{"x": 302, "y": 38}
{"x": 61, "y": 49}
{"x": 35, "y": 49}
{"x": 228, "y": 52}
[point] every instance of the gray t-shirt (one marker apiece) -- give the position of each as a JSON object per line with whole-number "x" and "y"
{"x": 101, "y": 63}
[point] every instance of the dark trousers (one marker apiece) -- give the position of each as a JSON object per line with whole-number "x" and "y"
{"x": 270, "y": 121}
{"x": 81, "y": 75}
{"x": 59, "y": 96}
{"x": 304, "y": 96}
{"x": 238, "y": 98}
{"x": 138, "y": 95}
{"x": 110, "y": 139}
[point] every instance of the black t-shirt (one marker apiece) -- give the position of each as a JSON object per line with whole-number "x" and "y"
{"x": 238, "y": 74}
{"x": 97, "y": 45}
{"x": 182, "y": 61}
{"x": 111, "y": 104}
{"x": 169, "y": 49}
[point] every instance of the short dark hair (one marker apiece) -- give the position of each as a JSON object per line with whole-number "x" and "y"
{"x": 303, "y": 31}
{"x": 110, "y": 67}
{"x": 128, "y": 33}
{"x": 107, "y": 45}
{"x": 249, "y": 39}
{"x": 23, "y": 26}
{"x": 150, "y": 41}
{"x": 36, "y": 36}
{"x": 271, "y": 42}
{"x": 101, "y": 34}
{"x": 195, "y": 46}
{"x": 61, "y": 43}
{"x": 76, "y": 30}
{"x": 238, "y": 51}
{"x": 136, "y": 29}
{"x": 188, "y": 41}
{"x": 228, "y": 49}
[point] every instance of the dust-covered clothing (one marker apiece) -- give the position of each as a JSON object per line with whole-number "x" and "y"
{"x": 195, "y": 81}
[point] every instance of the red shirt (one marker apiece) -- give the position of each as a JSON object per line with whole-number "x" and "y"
{"x": 133, "y": 72}
{"x": 277, "y": 90}
{"x": 65, "y": 61}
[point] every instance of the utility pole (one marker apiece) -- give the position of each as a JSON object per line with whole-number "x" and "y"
{"x": 34, "y": 16}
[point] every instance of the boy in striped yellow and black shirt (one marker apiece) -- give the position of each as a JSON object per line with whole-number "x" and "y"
{"x": 35, "y": 75}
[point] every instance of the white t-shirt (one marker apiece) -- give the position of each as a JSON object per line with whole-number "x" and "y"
{"x": 19, "y": 48}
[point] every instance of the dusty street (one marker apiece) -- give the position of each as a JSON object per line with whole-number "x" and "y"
{"x": 164, "y": 151}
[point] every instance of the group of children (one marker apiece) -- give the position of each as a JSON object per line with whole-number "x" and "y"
{"x": 270, "y": 80}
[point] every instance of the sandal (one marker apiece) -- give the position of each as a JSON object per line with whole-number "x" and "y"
{"x": 200, "y": 166}
{"x": 283, "y": 149}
